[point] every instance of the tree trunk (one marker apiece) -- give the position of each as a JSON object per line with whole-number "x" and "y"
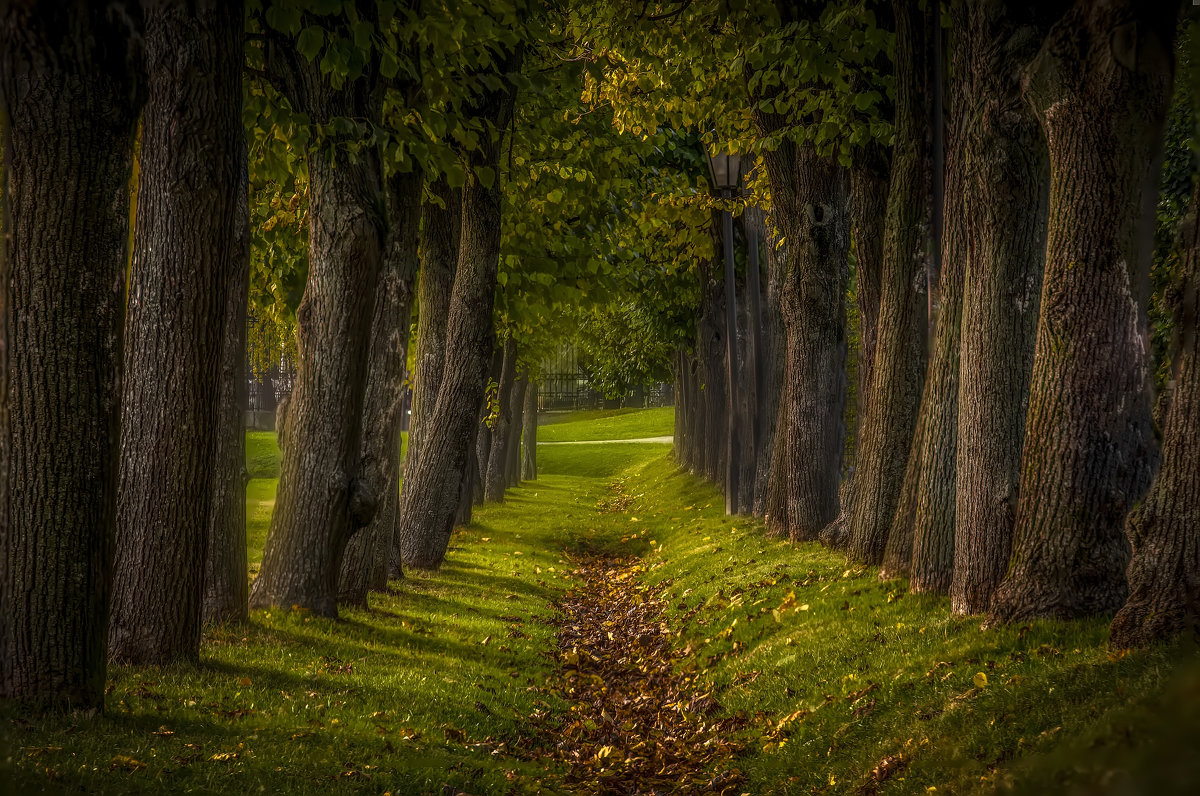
{"x": 365, "y": 565}
{"x": 529, "y": 436}
{"x": 439, "y": 258}
{"x": 496, "y": 479}
{"x": 770, "y": 365}
{"x": 1100, "y": 87}
{"x": 710, "y": 353}
{"x": 935, "y": 447}
{"x": 1164, "y": 574}
{"x": 513, "y": 472}
{"x": 868, "y": 208}
{"x": 71, "y": 76}
{"x": 323, "y": 498}
{"x": 898, "y": 554}
{"x": 892, "y": 402}
{"x": 175, "y": 319}
{"x": 811, "y": 200}
{"x": 1003, "y": 279}
{"x": 430, "y": 495}
{"x": 225, "y": 588}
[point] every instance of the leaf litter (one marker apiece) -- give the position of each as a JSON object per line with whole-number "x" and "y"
{"x": 636, "y": 723}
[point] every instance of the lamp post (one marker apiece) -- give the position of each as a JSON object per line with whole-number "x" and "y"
{"x": 725, "y": 170}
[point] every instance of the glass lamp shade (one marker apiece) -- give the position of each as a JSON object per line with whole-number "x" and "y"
{"x": 725, "y": 171}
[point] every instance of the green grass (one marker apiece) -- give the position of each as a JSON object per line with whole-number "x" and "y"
{"x": 262, "y": 454}
{"x": 610, "y": 424}
{"x": 414, "y": 694}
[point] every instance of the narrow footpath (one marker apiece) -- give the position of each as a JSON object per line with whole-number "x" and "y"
{"x": 637, "y": 725}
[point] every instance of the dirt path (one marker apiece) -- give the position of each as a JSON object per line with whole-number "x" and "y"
{"x": 636, "y": 725}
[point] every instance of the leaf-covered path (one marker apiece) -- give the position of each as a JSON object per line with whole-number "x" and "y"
{"x": 637, "y": 724}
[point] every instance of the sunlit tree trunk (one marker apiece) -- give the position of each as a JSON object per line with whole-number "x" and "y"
{"x": 323, "y": 497}
{"x": 892, "y": 401}
{"x": 365, "y": 565}
{"x": 1100, "y": 86}
{"x": 1000, "y": 299}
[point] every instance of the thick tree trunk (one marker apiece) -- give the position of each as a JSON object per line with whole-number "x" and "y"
{"x": 439, "y": 258}
{"x": 496, "y": 480}
{"x": 175, "y": 319}
{"x": 323, "y": 498}
{"x": 710, "y": 353}
{"x": 935, "y": 447}
{"x": 71, "y": 77}
{"x": 892, "y": 402}
{"x": 1100, "y": 86}
{"x": 365, "y": 564}
{"x": 812, "y": 204}
{"x": 516, "y": 425}
{"x": 1164, "y": 574}
{"x": 1007, "y": 157}
{"x": 868, "y": 208}
{"x": 529, "y": 435}
{"x": 225, "y": 587}
{"x": 898, "y": 554}
{"x": 430, "y": 494}
{"x": 770, "y": 364}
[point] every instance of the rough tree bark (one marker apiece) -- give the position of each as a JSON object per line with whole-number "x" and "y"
{"x": 812, "y": 204}
{"x": 1164, "y": 574}
{"x": 1000, "y": 294}
{"x": 496, "y": 481}
{"x": 441, "y": 224}
{"x": 429, "y": 498}
{"x": 887, "y": 425}
{"x": 935, "y": 445}
{"x": 710, "y": 355}
{"x": 175, "y": 318}
{"x": 71, "y": 86}
{"x": 770, "y": 363}
{"x": 365, "y": 564}
{"x": 225, "y": 588}
{"x": 323, "y": 498}
{"x": 516, "y": 425}
{"x": 1100, "y": 86}
{"x": 868, "y": 208}
{"x": 529, "y": 435}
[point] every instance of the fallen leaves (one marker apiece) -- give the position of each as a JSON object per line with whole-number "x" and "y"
{"x": 636, "y": 724}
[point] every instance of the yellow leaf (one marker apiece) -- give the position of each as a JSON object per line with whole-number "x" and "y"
{"x": 980, "y": 680}
{"x": 245, "y": 682}
{"x": 127, "y": 762}
{"x": 220, "y": 756}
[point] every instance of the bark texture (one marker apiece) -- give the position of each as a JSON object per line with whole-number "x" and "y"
{"x": 1001, "y": 288}
{"x": 71, "y": 81}
{"x": 496, "y": 480}
{"x": 226, "y": 590}
{"x": 529, "y": 434}
{"x": 770, "y": 372}
{"x": 365, "y": 565}
{"x": 323, "y": 498}
{"x": 1164, "y": 573}
{"x": 935, "y": 447}
{"x": 811, "y": 196}
{"x": 892, "y": 402}
{"x": 186, "y": 218}
{"x": 430, "y": 495}
{"x": 516, "y": 426}
{"x": 1100, "y": 86}
{"x": 710, "y": 355}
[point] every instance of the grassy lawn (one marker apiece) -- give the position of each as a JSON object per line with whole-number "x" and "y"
{"x": 609, "y": 424}
{"x": 840, "y": 673}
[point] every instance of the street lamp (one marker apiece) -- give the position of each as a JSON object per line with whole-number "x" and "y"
{"x": 724, "y": 169}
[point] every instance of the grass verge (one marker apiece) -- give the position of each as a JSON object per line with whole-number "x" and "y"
{"x": 610, "y": 424}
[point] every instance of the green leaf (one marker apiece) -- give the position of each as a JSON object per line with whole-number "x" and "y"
{"x": 310, "y": 42}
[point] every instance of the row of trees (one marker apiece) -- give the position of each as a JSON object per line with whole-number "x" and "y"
{"x": 991, "y": 207}
{"x": 511, "y": 173}
{"x": 189, "y": 186}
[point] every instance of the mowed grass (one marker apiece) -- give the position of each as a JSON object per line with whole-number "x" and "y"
{"x": 604, "y": 424}
{"x": 837, "y": 671}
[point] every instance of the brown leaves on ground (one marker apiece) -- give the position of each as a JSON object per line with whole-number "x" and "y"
{"x": 636, "y": 724}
